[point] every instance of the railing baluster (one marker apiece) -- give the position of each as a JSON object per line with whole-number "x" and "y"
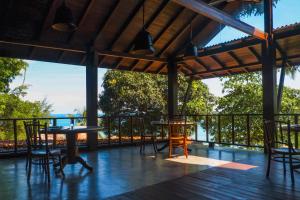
{"x": 196, "y": 131}
{"x": 54, "y": 135}
{"x": 248, "y": 130}
{"x": 131, "y": 130}
{"x": 108, "y": 129}
{"x": 119, "y": 129}
{"x": 232, "y": 130}
{"x": 206, "y": 128}
{"x": 15, "y": 136}
{"x": 72, "y": 121}
{"x": 296, "y": 132}
{"x": 219, "y": 129}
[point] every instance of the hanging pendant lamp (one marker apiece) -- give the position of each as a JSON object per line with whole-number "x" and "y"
{"x": 143, "y": 43}
{"x": 191, "y": 50}
{"x": 64, "y": 20}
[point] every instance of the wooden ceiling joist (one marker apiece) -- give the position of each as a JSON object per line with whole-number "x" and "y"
{"x": 202, "y": 8}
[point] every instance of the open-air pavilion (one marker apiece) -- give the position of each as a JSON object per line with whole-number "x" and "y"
{"x": 105, "y": 36}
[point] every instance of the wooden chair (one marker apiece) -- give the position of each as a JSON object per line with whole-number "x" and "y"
{"x": 280, "y": 147}
{"x": 38, "y": 150}
{"x": 147, "y": 134}
{"x": 177, "y": 136}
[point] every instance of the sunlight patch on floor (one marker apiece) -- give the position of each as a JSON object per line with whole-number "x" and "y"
{"x": 198, "y": 160}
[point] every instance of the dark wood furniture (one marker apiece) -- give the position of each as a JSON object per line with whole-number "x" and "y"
{"x": 72, "y": 156}
{"x": 147, "y": 134}
{"x": 280, "y": 147}
{"x": 39, "y": 150}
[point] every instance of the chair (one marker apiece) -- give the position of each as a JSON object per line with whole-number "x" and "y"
{"x": 38, "y": 150}
{"x": 177, "y": 136}
{"x": 279, "y": 146}
{"x": 146, "y": 135}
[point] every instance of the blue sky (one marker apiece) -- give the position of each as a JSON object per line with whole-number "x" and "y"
{"x": 64, "y": 85}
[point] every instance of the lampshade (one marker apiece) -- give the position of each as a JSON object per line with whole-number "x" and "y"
{"x": 191, "y": 50}
{"x": 64, "y": 20}
{"x": 143, "y": 44}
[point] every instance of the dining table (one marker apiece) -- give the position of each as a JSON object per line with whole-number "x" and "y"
{"x": 171, "y": 123}
{"x": 72, "y": 154}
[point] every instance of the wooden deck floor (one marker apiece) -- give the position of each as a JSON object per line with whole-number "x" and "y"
{"x": 122, "y": 173}
{"x": 244, "y": 179}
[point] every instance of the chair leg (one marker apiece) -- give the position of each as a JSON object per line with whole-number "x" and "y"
{"x": 47, "y": 167}
{"x": 26, "y": 163}
{"x": 269, "y": 164}
{"x": 142, "y": 146}
{"x": 283, "y": 162}
{"x": 170, "y": 149}
{"x": 60, "y": 166}
{"x": 185, "y": 149}
{"x": 153, "y": 143}
{"x": 29, "y": 165}
{"x": 291, "y": 168}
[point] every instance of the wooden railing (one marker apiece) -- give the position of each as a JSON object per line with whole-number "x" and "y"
{"x": 225, "y": 129}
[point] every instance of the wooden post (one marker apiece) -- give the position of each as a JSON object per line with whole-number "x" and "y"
{"x": 172, "y": 88}
{"x": 92, "y": 97}
{"x": 268, "y": 63}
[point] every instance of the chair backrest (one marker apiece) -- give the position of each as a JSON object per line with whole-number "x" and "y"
{"x": 35, "y": 131}
{"x": 177, "y": 126}
{"x": 278, "y": 134}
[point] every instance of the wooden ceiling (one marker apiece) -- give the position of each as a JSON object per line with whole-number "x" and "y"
{"x": 111, "y": 26}
{"x": 243, "y": 55}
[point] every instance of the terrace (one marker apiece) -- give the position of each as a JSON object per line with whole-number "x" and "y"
{"x": 227, "y": 159}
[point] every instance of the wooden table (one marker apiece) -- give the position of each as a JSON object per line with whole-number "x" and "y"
{"x": 73, "y": 156}
{"x": 167, "y": 123}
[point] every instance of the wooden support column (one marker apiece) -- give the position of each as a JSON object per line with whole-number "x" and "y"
{"x": 92, "y": 97}
{"x": 268, "y": 65}
{"x": 172, "y": 88}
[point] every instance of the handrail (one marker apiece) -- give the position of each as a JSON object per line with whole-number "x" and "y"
{"x": 240, "y": 129}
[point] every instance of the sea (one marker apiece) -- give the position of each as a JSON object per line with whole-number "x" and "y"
{"x": 201, "y": 133}
{"x": 64, "y": 122}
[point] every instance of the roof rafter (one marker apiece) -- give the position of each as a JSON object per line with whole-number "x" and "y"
{"x": 47, "y": 21}
{"x": 168, "y": 45}
{"x": 211, "y": 12}
{"x": 133, "y": 14}
{"x": 147, "y": 25}
{"x": 88, "y": 7}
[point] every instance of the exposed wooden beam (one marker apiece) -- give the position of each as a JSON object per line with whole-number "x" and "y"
{"x": 188, "y": 67}
{"x": 236, "y": 59}
{"x": 179, "y": 35}
{"x": 44, "y": 45}
{"x": 255, "y": 53}
{"x": 147, "y": 24}
{"x": 241, "y": 66}
{"x": 202, "y": 8}
{"x": 106, "y": 23}
{"x": 130, "y": 56}
{"x": 135, "y": 12}
{"x": 68, "y": 48}
{"x": 47, "y": 22}
{"x": 87, "y": 9}
{"x": 202, "y": 64}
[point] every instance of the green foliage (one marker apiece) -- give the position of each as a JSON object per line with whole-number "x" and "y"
{"x": 255, "y": 9}
{"x": 243, "y": 94}
{"x": 9, "y": 69}
{"x": 11, "y": 103}
{"x": 130, "y": 92}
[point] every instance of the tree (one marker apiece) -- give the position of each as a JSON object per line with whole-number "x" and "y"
{"x": 243, "y": 95}
{"x": 11, "y": 103}
{"x": 9, "y": 69}
{"x": 131, "y": 92}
